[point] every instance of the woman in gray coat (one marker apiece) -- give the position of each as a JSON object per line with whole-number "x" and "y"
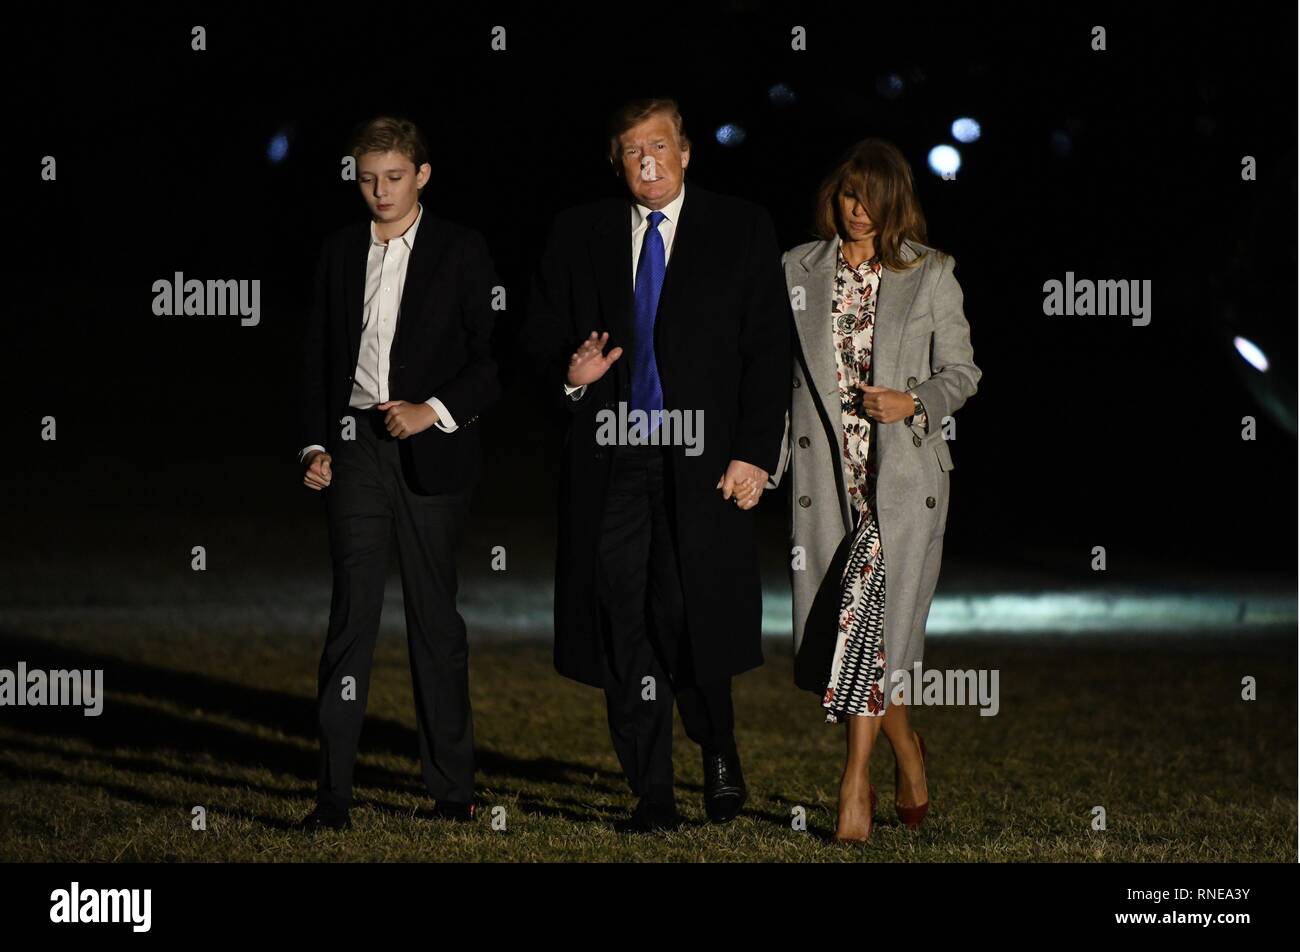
{"x": 883, "y": 362}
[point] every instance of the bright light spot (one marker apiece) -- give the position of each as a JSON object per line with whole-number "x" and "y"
{"x": 965, "y": 129}
{"x": 730, "y": 135}
{"x": 945, "y": 161}
{"x": 1250, "y": 353}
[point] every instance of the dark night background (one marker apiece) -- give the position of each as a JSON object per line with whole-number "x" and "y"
{"x": 1085, "y": 431}
{"x": 1161, "y": 691}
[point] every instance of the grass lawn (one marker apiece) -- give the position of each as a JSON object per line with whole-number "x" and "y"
{"x": 1151, "y": 729}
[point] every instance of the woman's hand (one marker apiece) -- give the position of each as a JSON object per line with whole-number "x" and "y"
{"x": 885, "y": 405}
{"x": 743, "y": 483}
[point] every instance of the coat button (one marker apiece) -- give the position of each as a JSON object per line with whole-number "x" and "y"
{"x": 911, "y": 381}
{"x": 600, "y": 456}
{"x": 916, "y": 440}
{"x": 929, "y": 502}
{"x": 805, "y": 502}
{"x": 803, "y": 442}
{"x": 797, "y": 383}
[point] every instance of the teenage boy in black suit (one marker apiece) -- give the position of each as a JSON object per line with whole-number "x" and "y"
{"x": 397, "y": 371}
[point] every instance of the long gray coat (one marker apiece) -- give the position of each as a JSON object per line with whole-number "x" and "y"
{"x": 921, "y": 343}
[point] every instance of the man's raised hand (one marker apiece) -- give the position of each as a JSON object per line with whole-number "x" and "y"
{"x": 589, "y": 362}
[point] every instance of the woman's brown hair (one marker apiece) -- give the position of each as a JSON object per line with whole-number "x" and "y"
{"x": 877, "y": 173}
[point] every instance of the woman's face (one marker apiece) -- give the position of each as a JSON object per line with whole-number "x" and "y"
{"x": 853, "y": 214}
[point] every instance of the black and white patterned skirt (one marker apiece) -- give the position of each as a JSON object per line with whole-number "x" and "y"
{"x": 857, "y": 677}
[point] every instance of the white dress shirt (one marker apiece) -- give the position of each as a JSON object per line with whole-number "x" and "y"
{"x": 640, "y": 222}
{"x": 385, "y": 278}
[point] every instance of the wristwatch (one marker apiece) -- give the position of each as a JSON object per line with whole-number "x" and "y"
{"x": 917, "y": 408}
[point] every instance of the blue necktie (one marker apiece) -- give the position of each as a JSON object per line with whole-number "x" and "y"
{"x": 647, "y": 394}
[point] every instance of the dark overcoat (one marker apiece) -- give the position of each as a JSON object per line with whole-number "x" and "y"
{"x": 722, "y": 343}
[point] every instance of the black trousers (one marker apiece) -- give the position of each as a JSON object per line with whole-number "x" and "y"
{"x": 368, "y": 502}
{"x": 647, "y": 656}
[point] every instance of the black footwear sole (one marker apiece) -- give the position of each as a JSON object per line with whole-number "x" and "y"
{"x": 727, "y": 809}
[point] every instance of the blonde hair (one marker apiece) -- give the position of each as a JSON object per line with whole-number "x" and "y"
{"x": 633, "y": 113}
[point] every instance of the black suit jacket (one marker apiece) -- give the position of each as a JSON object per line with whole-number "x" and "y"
{"x": 441, "y": 347}
{"x": 722, "y": 345}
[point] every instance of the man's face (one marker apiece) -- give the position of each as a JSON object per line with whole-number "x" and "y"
{"x": 390, "y": 184}
{"x": 853, "y": 213}
{"x": 653, "y": 162}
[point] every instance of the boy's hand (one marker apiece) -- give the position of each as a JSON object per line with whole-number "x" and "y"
{"x": 407, "y": 419}
{"x": 318, "y": 474}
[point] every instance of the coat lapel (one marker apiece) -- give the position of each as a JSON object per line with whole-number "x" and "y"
{"x": 612, "y": 254}
{"x": 426, "y": 253}
{"x": 677, "y": 277}
{"x": 896, "y": 294}
{"x": 897, "y": 291}
{"x": 814, "y": 328}
{"x": 354, "y": 287}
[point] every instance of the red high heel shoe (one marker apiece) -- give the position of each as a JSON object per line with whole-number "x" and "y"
{"x": 912, "y": 816}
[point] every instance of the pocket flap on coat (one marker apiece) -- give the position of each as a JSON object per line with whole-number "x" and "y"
{"x": 941, "y": 451}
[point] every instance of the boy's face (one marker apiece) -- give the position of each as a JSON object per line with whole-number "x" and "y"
{"x": 390, "y": 184}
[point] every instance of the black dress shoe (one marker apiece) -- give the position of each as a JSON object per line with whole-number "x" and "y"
{"x": 452, "y": 810}
{"x": 724, "y": 787}
{"x": 650, "y": 817}
{"x": 325, "y": 818}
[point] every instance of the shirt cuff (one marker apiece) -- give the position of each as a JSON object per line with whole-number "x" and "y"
{"x": 445, "y": 421}
{"x": 307, "y": 449}
{"x": 575, "y": 393}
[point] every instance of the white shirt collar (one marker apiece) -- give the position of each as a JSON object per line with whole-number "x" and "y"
{"x": 671, "y": 211}
{"x": 407, "y": 236}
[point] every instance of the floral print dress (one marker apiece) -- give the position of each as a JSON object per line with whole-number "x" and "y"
{"x": 857, "y": 677}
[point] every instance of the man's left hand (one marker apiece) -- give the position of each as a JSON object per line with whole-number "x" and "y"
{"x": 743, "y": 483}
{"x": 405, "y": 419}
